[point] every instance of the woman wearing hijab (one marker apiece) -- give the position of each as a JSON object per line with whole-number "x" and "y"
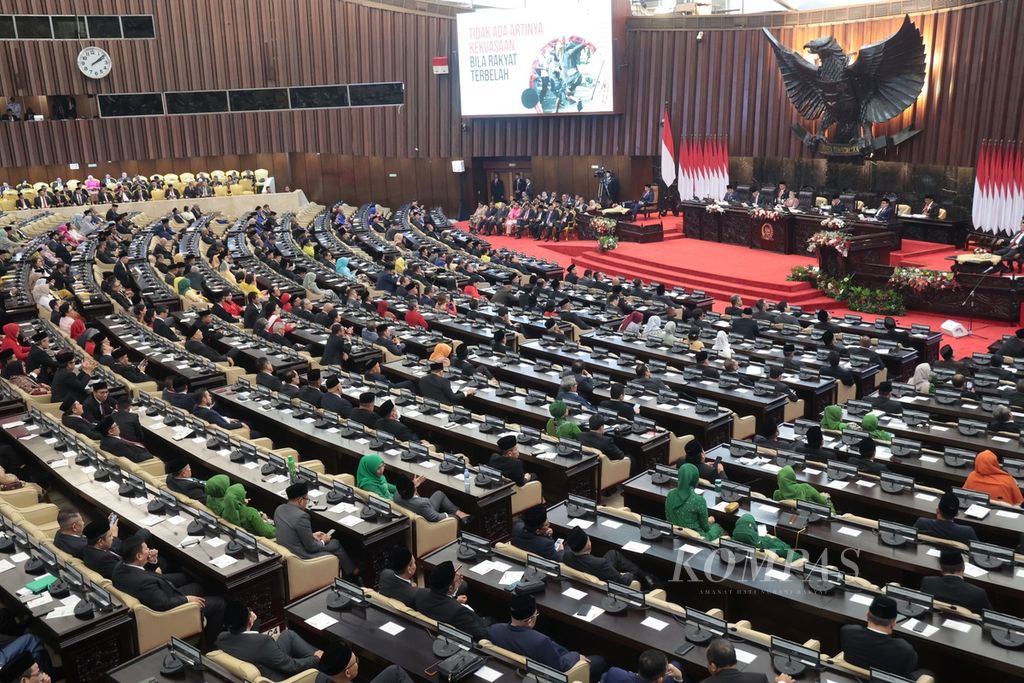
{"x": 746, "y": 532}
{"x": 652, "y": 328}
{"x": 342, "y": 269}
{"x": 216, "y": 489}
{"x": 791, "y": 489}
{"x": 988, "y": 477}
{"x": 870, "y": 425}
{"x": 309, "y": 282}
{"x": 238, "y": 512}
{"x": 668, "y": 334}
{"x": 382, "y": 310}
{"x": 686, "y": 508}
{"x": 832, "y": 418}
{"x": 12, "y": 341}
{"x": 442, "y": 353}
{"x": 370, "y": 477}
{"x": 693, "y": 342}
{"x": 558, "y": 411}
{"x": 632, "y": 322}
{"x": 721, "y": 345}
{"x": 286, "y": 304}
{"x": 921, "y": 380}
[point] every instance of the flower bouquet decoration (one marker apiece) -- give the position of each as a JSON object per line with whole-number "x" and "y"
{"x": 836, "y": 239}
{"x": 605, "y": 230}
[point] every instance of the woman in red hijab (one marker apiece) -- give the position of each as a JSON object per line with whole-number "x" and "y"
{"x": 632, "y": 322}
{"x": 286, "y": 305}
{"x": 988, "y": 477}
{"x": 382, "y": 310}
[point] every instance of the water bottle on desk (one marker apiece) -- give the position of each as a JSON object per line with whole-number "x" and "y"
{"x": 465, "y": 479}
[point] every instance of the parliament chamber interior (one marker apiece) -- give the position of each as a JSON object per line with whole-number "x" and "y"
{"x": 619, "y": 341}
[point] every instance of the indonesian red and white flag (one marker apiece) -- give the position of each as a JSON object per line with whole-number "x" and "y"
{"x": 668, "y": 157}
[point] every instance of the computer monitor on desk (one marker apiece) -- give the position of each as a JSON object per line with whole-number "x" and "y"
{"x": 793, "y": 658}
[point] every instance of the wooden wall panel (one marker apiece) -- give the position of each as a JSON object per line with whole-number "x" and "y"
{"x": 726, "y": 84}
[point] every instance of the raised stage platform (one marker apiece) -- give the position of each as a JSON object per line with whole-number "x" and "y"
{"x": 722, "y": 270}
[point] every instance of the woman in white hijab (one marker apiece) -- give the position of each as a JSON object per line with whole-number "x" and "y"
{"x": 721, "y": 345}
{"x": 922, "y": 378}
{"x": 668, "y": 335}
{"x": 653, "y": 326}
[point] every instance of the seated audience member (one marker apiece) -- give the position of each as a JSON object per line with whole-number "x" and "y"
{"x": 988, "y": 477}
{"x": 276, "y": 658}
{"x": 884, "y": 401}
{"x": 520, "y": 636}
{"x": 951, "y": 587}
{"x": 180, "y": 479}
{"x": 722, "y": 663}
{"x": 746, "y": 531}
{"x": 646, "y": 380}
{"x": 869, "y": 423}
{"x": 686, "y": 508}
{"x": 434, "y": 385}
{"x": 864, "y": 458}
{"x": 340, "y": 665}
{"x": 388, "y": 422}
{"x": 874, "y": 646}
{"x": 438, "y": 602}
{"x": 791, "y": 489}
{"x": 333, "y": 400}
{"x": 596, "y": 438}
{"x": 834, "y": 369}
{"x": 112, "y": 442}
{"x": 921, "y": 380}
{"x": 532, "y": 532}
{"x": 204, "y": 410}
{"x": 433, "y": 509}
{"x": 1002, "y": 421}
{"x": 695, "y": 456}
{"x": 625, "y": 410}
{"x": 813, "y": 444}
{"x": 159, "y": 593}
{"x": 614, "y": 566}
{"x": 25, "y": 660}
{"x": 944, "y": 525}
{"x": 70, "y": 536}
{"x": 567, "y": 391}
{"x": 370, "y": 477}
{"x": 652, "y": 667}
{"x": 507, "y": 461}
{"x": 237, "y": 511}
{"x": 127, "y": 421}
{"x": 73, "y": 418}
{"x": 559, "y": 424}
{"x": 832, "y": 418}
{"x": 176, "y": 393}
{"x": 295, "y": 532}
{"x": 365, "y": 413}
{"x": 396, "y": 580}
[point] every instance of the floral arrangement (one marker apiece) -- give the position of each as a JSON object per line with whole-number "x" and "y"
{"x": 920, "y": 280}
{"x": 804, "y": 274}
{"x": 833, "y": 223}
{"x": 714, "y": 208}
{"x": 769, "y": 214}
{"x": 838, "y": 240}
{"x": 605, "y": 230}
{"x": 856, "y": 298}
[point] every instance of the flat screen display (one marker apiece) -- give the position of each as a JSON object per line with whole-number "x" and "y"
{"x": 550, "y": 57}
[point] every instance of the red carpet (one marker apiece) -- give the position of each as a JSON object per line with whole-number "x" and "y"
{"x": 722, "y": 270}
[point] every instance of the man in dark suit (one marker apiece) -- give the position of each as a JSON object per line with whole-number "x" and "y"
{"x": 69, "y": 381}
{"x": 944, "y": 525}
{"x": 864, "y": 458}
{"x": 884, "y": 401}
{"x": 833, "y": 369}
{"x": 332, "y": 400}
{"x": 388, "y": 422}
{"x": 885, "y": 212}
{"x": 70, "y": 536}
{"x": 180, "y": 479}
{"x": 731, "y": 195}
{"x": 252, "y": 310}
{"x": 161, "y": 325}
{"x": 295, "y": 532}
{"x": 40, "y": 358}
{"x": 437, "y": 602}
{"x": 365, "y": 413}
{"x": 596, "y": 438}
{"x": 157, "y": 592}
{"x": 194, "y": 344}
{"x": 745, "y": 326}
{"x": 276, "y": 659}
{"x": 721, "y": 656}
{"x": 121, "y": 271}
{"x": 624, "y": 409}
{"x": 930, "y": 207}
{"x": 874, "y": 645}
{"x": 436, "y": 386}
{"x": 265, "y": 376}
{"x": 101, "y": 551}
{"x": 112, "y": 442}
{"x": 507, "y": 461}
{"x": 704, "y": 365}
{"x": 204, "y": 410}
{"x": 218, "y": 308}
{"x": 892, "y": 333}
{"x": 532, "y": 532}
{"x": 520, "y": 636}
{"x": 132, "y": 373}
{"x": 614, "y": 566}
{"x": 127, "y": 421}
{"x": 1014, "y": 346}
{"x": 951, "y": 587}
{"x": 72, "y": 418}
{"x": 97, "y": 406}
{"x": 338, "y": 346}
{"x": 310, "y": 392}
{"x": 396, "y": 581}
{"x": 176, "y": 393}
